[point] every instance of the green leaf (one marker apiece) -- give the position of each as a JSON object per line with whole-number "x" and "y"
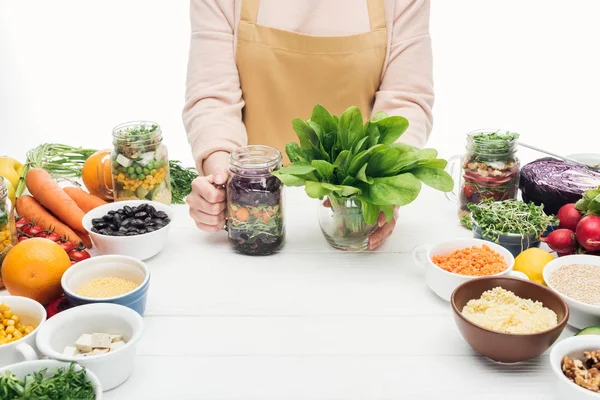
{"x": 343, "y": 191}
{"x": 350, "y": 127}
{"x": 308, "y": 137}
{"x": 315, "y": 190}
{"x": 319, "y": 153}
{"x": 435, "y": 163}
{"x": 404, "y": 148}
{"x": 315, "y": 127}
{"x": 359, "y": 146}
{"x": 379, "y": 115}
{"x": 289, "y": 180}
{"x": 372, "y": 132}
{"x": 328, "y": 142}
{"x": 342, "y": 161}
{"x": 388, "y": 211}
{"x": 324, "y": 168}
{"x": 382, "y": 162}
{"x": 362, "y": 176}
{"x": 294, "y": 152}
{"x": 435, "y": 178}
{"x": 362, "y": 158}
{"x": 394, "y": 190}
{"x": 428, "y": 154}
{"x": 349, "y": 181}
{"x": 298, "y": 168}
{"x": 321, "y": 116}
{"x": 391, "y": 128}
{"x": 370, "y": 211}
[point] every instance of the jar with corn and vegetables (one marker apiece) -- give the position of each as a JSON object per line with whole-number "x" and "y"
{"x": 140, "y": 164}
{"x": 8, "y": 231}
{"x": 254, "y": 201}
{"x": 490, "y": 168}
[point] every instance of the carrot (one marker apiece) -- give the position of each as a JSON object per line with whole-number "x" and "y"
{"x": 29, "y": 208}
{"x": 51, "y": 196}
{"x": 85, "y": 238}
{"x": 84, "y": 200}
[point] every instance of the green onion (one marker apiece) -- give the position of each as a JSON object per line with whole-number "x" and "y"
{"x": 181, "y": 181}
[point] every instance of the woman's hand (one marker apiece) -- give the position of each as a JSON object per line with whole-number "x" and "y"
{"x": 383, "y": 231}
{"x": 207, "y": 201}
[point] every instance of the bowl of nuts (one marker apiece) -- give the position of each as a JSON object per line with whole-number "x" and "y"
{"x": 576, "y": 363}
{"x": 133, "y": 228}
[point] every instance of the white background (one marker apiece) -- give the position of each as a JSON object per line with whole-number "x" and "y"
{"x": 70, "y": 70}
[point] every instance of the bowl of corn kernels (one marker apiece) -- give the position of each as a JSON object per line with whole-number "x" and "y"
{"x": 20, "y": 319}
{"x": 114, "y": 279}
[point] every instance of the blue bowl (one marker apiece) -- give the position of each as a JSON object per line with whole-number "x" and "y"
{"x": 514, "y": 243}
{"x": 108, "y": 266}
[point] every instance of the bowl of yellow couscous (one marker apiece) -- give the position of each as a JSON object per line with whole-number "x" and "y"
{"x": 108, "y": 279}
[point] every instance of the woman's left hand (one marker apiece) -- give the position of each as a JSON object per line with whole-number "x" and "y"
{"x": 383, "y": 231}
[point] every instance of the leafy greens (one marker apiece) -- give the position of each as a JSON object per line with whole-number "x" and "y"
{"x": 343, "y": 158}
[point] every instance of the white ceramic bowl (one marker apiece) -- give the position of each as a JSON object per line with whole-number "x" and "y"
{"x": 574, "y": 348}
{"x": 443, "y": 282}
{"x": 63, "y": 329}
{"x": 141, "y": 246}
{"x": 582, "y": 315}
{"x": 29, "y": 367}
{"x": 103, "y": 266}
{"x": 31, "y": 313}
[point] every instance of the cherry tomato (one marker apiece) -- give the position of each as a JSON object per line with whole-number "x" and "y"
{"x": 469, "y": 190}
{"x": 21, "y": 238}
{"x": 73, "y": 262}
{"x": 35, "y": 230}
{"x": 43, "y": 235}
{"x": 79, "y": 255}
{"x": 21, "y": 222}
{"x": 26, "y": 228}
{"x": 68, "y": 246}
{"x": 55, "y": 237}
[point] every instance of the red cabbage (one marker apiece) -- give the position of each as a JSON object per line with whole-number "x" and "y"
{"x": 554, "y": 183}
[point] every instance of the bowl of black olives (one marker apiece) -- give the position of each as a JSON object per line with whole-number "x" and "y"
{"x": 135, "y": 228}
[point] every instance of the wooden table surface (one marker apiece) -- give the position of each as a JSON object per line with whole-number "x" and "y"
{"x": 312, "y": 322}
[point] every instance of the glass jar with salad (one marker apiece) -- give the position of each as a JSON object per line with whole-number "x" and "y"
{"x": 140, "y": 163}
{"x": 489, "y": 169}
{"x": 255, "y": 201}
{"x": 8, "y": 231}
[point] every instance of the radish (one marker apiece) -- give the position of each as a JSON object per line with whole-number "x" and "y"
{"x": 562, "y": 241}
{"x": 588, "y": 233}
{"x": 569, "y": 217}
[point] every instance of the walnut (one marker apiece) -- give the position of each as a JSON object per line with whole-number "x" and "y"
{"x": 569, "y": 368}
{"x": 496, "y": 173}
{"x": 581, "y": 373}
{"x": 591, "y": 358}
{"x": 483, "y": 172}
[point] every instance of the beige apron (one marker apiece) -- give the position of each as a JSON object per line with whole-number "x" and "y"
{"x": 284, "y": 74}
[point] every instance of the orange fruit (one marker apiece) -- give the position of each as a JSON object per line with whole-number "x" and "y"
{"x": 33, "y": 268}
{"x": 97, "y": 175}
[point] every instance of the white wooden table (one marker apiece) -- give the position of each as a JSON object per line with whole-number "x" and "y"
{"x": 312, "y": 322}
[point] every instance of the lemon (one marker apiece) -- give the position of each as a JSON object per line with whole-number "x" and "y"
{"x": 531, "y": 262}
{"x": 11, "y": 190}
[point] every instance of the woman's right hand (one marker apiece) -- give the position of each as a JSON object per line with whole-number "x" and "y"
{"x": 207, "y": 201}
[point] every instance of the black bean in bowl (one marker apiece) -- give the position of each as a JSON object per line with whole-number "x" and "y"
{"x": 131, "y": 221}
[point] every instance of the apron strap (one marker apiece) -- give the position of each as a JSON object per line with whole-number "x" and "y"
{"x": 249, "y": 11}
{"x": 376, "y": 14}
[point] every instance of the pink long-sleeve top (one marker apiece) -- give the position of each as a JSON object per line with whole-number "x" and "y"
{"x": 213, "y": 110}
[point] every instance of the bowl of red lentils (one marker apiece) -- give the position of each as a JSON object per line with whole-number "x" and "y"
{"x": 108, "y": 279}
{"x": 576, "y": 279}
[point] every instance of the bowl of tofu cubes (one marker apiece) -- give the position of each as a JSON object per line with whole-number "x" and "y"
{"x": 101, "y": 337}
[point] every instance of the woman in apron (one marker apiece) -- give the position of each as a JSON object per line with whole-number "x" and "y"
{"x": 255, "y": 65}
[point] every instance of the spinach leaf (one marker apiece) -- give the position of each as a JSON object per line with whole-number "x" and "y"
{"x": 434, "y": 177}
{"x": 362, "y": 158}
{"x": 340, "y": 190}
{"x": 372, "y": 132}
{"x": 298, "y": 168}
{"x": 379, "y": 115}
{"x": 382, "y": 162}
{"x": 289, "y": 180}
{"x": 323, "y": 118}
{"x": 350, "y": 128}
{"x": 324, "y": 168}
{"x": 391, "y": 128}
{"x": 394, "y": 190}
{"x": 295, "y": 153}
{"x": 308, "y": 137}
{"x": 315, "y": 190}
{"x": 370, "y": 211}
{"x": 361, "y": 175}
{"x": 388, "y": 211}
{"x": 342, "y": 161}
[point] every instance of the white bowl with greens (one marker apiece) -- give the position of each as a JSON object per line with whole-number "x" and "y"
{"x": 512, "y": 224}
{"x": 33, "y": 379}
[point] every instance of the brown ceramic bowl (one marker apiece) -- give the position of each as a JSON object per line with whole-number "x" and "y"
{"x": 508, "y": 347}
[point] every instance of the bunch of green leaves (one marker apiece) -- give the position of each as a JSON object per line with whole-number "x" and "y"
{"x": 342, "y": 157}
{"x": 64, "y": 385}
{"x": 509, "y": 217}
{"x": 589, "y": 203}
{"x": 181, "y": 181}
{"x": 494, "y": 145}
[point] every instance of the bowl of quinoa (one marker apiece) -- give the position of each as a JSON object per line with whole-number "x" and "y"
{"x": 576, "y": 279}
{"x": 108, "y": 279}
{"x": 508, "y": 319}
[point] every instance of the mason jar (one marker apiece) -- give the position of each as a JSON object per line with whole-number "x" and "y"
{"x": 488, "y": 169}
{"x": 255, "y": 221}
{"x": 8, "y": 230}
{"x": 140, "y": 163}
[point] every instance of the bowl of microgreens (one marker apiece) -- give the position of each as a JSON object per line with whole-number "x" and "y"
{"x": 358, "y": 170}
{"x": 513, "y": 224}
{"x": 48, "y": 379}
